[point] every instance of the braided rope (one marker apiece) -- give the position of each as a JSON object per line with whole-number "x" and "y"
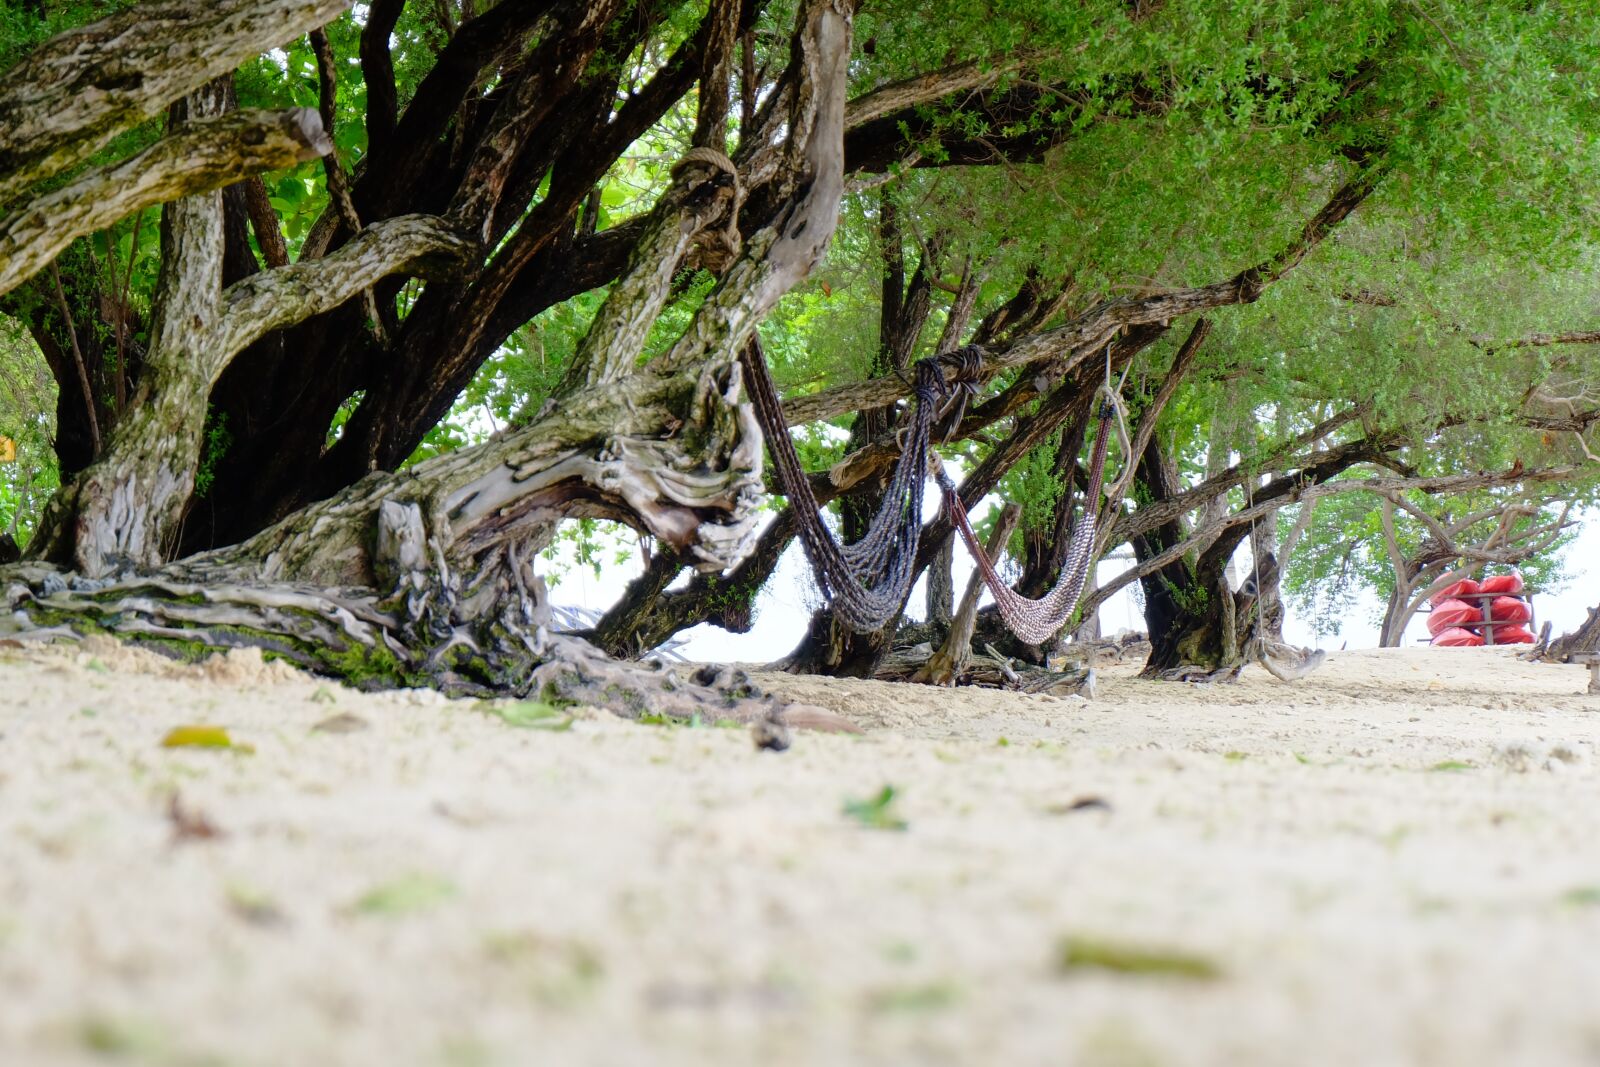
{"x": 867, "y": 581}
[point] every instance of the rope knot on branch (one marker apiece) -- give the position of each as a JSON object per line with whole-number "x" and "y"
{"x": 966, "y": 367}
{"x": 719, "y": 253}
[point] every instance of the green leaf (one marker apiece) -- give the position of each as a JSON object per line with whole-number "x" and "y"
{"x": 406, "y": 895}
{"x": 1081, "y": 954}
{"x": 876, "y": 812}
{"x": 201, "y": 737}
{"x": 532, "y": 715}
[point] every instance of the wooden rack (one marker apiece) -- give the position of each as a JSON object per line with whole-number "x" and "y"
{"x": 1488, "y": 625}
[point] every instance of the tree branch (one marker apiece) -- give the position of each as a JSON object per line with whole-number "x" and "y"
{"x": 1209, "y": 534}
{"x": 377, "y": 72}
{"x": 73, "y": 94}
{"x": 1089, "y": 332}
{"x": 1164, "y": 511}
{"x": 1182, "y": 360}
{"x": 199, "y": 156}
{"x": 920, "y": 89}
{"x": 264, "y": 221}
{"x": 77, "y": 358}
{"x": 411, "y": 244}
{"x": 541, "y": 84}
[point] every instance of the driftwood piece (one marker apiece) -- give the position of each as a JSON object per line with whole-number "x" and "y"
{"x": 1586, "y": 638}
{"x": 1285, "y": 662}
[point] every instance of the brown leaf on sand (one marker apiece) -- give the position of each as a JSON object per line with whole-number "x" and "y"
{"x": 190, "y": 824}
{"x": 811, "y": 717}
{"x": 1083, "y": 803}
{"x": 342, "y": 723}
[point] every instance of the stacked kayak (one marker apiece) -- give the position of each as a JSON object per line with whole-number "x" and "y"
{"x": 1469, "y": 613}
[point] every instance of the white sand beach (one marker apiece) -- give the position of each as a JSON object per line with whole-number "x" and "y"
{"x": 1392, "y": 862}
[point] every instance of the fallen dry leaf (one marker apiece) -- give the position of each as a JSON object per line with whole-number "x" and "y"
{"x": 342, "y": 723}
{"x": 189, "y": 824}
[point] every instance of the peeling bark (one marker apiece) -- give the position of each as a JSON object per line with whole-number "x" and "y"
{"x": 73, "y": 94}
{"x": 196, "y": 158}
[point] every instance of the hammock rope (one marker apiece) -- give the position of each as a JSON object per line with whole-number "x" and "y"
{"x": 867, "y": 581}
{"x": 1036, "y": 621}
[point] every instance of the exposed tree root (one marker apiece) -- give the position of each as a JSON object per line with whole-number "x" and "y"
{"x": 992, "y": 670}
{"x": 492, "y": 643}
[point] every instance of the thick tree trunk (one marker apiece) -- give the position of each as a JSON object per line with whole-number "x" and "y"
{"x": 1172, "y": 601}
{"x": 557, "y": 105}
{"x": 423, "y": 577}
{"x": 1199, "y": 626}
{"x": 829, "y": 648}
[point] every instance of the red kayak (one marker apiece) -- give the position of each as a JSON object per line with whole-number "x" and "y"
{"x": 1513, "y": 635}
{"x": 1509, "y": 609}
{"x": 1465, "y": 587}
{"x": 1501, "y": 583}
{"x": 1448, "y": 613}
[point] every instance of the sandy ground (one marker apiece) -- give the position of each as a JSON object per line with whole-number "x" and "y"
{"x": 1394, "y": 862}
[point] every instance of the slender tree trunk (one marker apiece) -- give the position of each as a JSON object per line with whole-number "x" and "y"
{"x": 951, "y": 658}
{"x": 941, "y": 587}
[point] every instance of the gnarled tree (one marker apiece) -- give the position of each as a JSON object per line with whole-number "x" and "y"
{"x": 424, "y": 575}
